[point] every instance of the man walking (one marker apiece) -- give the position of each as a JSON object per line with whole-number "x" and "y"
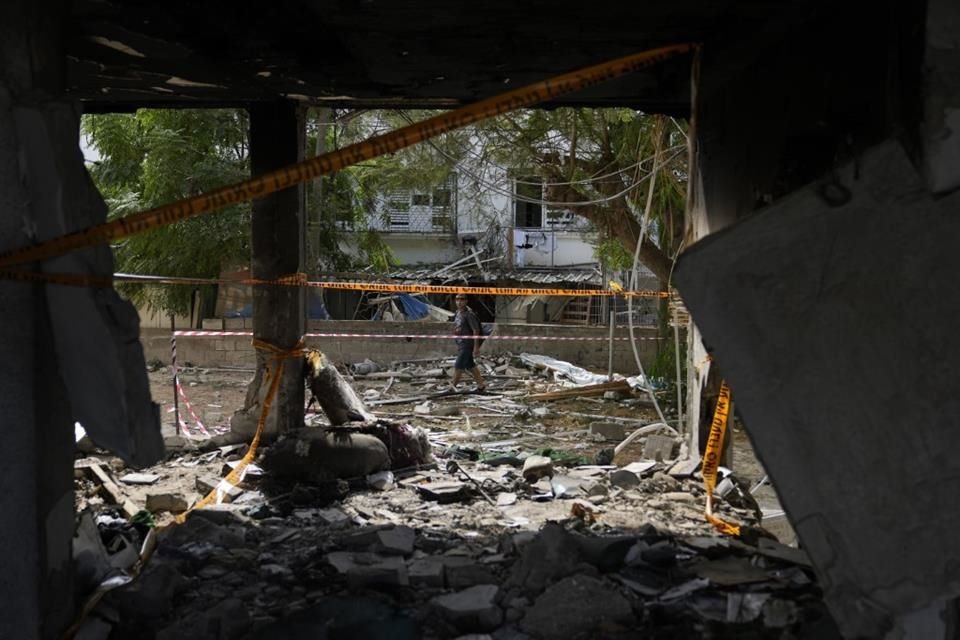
{"x": 465, "y": 327}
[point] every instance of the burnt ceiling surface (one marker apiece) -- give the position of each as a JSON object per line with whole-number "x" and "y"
{"x": 123, "y": 54}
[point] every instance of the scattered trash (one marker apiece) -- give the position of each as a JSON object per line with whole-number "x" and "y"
{"x": 381, "y": 481}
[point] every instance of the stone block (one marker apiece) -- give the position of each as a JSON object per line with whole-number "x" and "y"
{"x": 612, "y": 431}
{"x": 472, "y": 609}
{"x": 172, "y": 502}
{"x": 576, "y": 607}
{"x": 427, "y": 572}
{"x": 367, "y": 568}
{"x": 658, "y": 447}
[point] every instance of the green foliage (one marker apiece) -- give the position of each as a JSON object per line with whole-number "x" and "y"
{"x": 613, "y": 255}
{"x": 153, "y": 157}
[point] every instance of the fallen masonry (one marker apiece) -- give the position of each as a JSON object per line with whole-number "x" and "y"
{"x": 501, "y": 519}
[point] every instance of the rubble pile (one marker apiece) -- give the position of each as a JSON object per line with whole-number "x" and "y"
{"x": 494, "y": 517}
{"x": 316, "y": 574}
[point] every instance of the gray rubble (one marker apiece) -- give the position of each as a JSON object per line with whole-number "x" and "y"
{"x": 566, "y": 547}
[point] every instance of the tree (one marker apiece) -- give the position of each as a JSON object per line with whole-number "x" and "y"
{"x": 154, "y": 157}
{"x": 595, "y": 162}
{"x": 598, "y": 163}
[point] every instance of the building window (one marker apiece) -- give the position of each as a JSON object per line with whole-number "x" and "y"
{"x": 433, "y": 212}
{"x": 527, "y": 203}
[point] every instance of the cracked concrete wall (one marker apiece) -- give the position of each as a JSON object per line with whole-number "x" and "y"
{"x": 834, "y": 324}
{"x": 69, "y": 353}
{"x": 830, "y": 310}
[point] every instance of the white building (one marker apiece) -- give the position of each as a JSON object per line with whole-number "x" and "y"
{"x": 492, "y": 225}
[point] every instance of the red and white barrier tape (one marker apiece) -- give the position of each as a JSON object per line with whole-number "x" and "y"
{"x": 193, "y": 413}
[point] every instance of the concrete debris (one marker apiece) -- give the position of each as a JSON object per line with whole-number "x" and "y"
{"x": 362, "y": 569}
{"x": 577, "y": 606}
{"x": 379, "y": 525}
{"x": 139, "y": 478}
{"x": 172, "y": 502}
{"x": 536, "y": 467}
{"x": 659, "y": 448}
{"x": 472, "y": 609}
{"x": 624, "y": 479}
{"x": 611, "y": 431}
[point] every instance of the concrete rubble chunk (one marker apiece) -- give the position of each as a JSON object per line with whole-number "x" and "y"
{"x": 536, "y": 467}
{"x": 464, "y": 572}
{"x": 472, "y": 609}
{"x": 227, "y": 619}
{"x": 427, "y": 572}
{"x": 369, "y": 569}
{"x": 610, "y": 431}
{"x": 640, "y": 467}
{"x": 506, "y": 499}
{"x": 685, "y": 468}
{"x": 624, "y": 479}
{"x": 659, "y": 448}
{"x": 139, "y": 478}
{"x": 574, "y": 607}
{"x": 396, "y": 541}
{"x": 595, "y": 488}
{"x": 553, "y": 554}
{"x": 389, "y": 540}
{"x": 172, "y": 502}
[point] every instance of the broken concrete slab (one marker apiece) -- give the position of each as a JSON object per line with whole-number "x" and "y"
{"x": 427, "y": 572}
{"x": 465, "y": 572}
{"x": 551, "y": 555}
{"x": 139, "y": 478}
{"x": 798, "y": 298}
{"x": 228, "y": 618}
{"x": 685, "y": 468}
{"x": 624, "y": 479}
{"x": 576, "y": 606}
{"x": 369, "y": 569}
{"x": 641, "y": 467}
{"x": 659, "y": 448}
{"x": 610, "y": 431}
{"x": 472, "y": 609}
{"x": 172, "y": 502}
{"x": 536, "y": 467}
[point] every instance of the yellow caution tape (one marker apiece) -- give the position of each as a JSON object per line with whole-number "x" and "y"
{"x": 711, "y": 460}
{"x": 334, "y": 161}
{"x": 237, "y": 473}
{"x": 300, "y": 280}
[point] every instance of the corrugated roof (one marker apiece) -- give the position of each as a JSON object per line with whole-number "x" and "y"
{"x": 440, "y": 274}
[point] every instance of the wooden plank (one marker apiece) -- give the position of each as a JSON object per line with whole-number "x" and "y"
{"x": 112, "y": 491}
{"x": 587, "y": 390}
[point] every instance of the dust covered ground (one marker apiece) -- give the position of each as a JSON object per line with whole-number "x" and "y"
{"x": 523, "y": 524}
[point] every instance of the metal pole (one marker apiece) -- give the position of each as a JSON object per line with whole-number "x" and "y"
{"x": 610, "y": 349}
{"x": 676, "y": 349}
{"x": 173, "y": 363}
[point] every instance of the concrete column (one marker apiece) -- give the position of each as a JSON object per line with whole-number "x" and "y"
{"x": 276, "y": 140}
{"x": 36, "y": 501}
